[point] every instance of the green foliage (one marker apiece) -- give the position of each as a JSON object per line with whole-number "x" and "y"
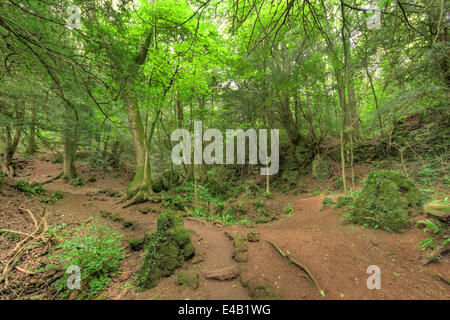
{"x": 288, "y": 209}
{"x": 258, "y": 204}
{"x": 328, "y": 202}
{"x": 227, "y": 217}
{"x": 96, "y": 249}
{"x": 57, "y": 159}
{"x": 252, "y": 190}
{"x": 345, "y": 201}
{"x": 174, "y": 201}
{"x": 434, "y": 227}
{"x": 30, "y": 190}
{"x": 439, "y": 232}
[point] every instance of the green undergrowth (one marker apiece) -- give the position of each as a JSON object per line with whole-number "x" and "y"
{"x": 94, "y": 248}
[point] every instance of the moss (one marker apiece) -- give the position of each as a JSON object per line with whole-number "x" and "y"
{"x": 166, "y": 250}
{"x": 129, "y": 224}
{"x": 145, "y": 210}
{"x": 77, "y": 182}
{"x": 157, "y": 185}
{"x": 252, "y": 236}
{"x": 261, "y": 220}
{"x": 385, "y": 201}
{"x": 136, "y": 244}
{"x": 111, "y": 193}
{"x": 188, "y": 278}
{"x": 321, "y": 169}
{"x": 259, "y": 289}
{"x": 105, "y": 214}
{"x": 240, "y": 249}
{"x": 439, "y": 209}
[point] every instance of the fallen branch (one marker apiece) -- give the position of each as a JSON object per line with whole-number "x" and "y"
{"x": 300, "y": 266}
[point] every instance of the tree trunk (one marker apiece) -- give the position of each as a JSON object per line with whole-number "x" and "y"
{"x": 288, "y": 122}
{"x": 140, "y": 188}
{"x": 9, "y": 142}
{"x": 70, "y": 150}
{"x": 32, "y": 146}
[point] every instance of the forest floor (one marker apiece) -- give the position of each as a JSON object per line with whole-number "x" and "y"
{"x": 336, "y": 254}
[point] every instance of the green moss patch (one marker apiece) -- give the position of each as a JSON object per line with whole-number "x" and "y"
{"x": 188, "y": 278}
{"x": 240, "y": 249}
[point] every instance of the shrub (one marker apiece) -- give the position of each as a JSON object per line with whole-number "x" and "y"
{"x": 328, "y": 202}
{"x": 96, "y": 249}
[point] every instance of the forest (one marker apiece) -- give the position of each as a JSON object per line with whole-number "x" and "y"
{"x": 224, "y": 150}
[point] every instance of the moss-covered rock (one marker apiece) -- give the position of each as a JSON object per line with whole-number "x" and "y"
{"x": 240, "y": 249}
{"x": 321, "y": 168}
{"x": 257, "y": 288}
{"x": 439, "y": 209}
{"x": 166, "y": 250}
{"x": 252, "y": 236}
{"x": 188, "y": 278}
{"x": 386, "y": 201}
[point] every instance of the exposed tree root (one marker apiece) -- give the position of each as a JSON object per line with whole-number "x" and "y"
{"x": 140, "y": 197}
{"x": 58, "y": 176}
{"x": 300, "y": 266}
{"x": 196, "y": 220}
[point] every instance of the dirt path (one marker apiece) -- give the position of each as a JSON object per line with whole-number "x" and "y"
{"x": 336, "y": 254}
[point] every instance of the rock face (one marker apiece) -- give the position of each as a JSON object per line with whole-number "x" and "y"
{"x": 166, "y": 250}
{"x": 321, "y": 168}
{"x": 386, "y": 201}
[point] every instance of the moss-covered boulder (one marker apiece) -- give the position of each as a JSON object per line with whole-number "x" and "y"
{"x": 240, "y": 249}
{"x": 166, "y": 250}
{"x": 321, "y": 168}
{"x": 386, "y": 201}
{"x": 188, "y": 278}
{"x": 439, "y": 209}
